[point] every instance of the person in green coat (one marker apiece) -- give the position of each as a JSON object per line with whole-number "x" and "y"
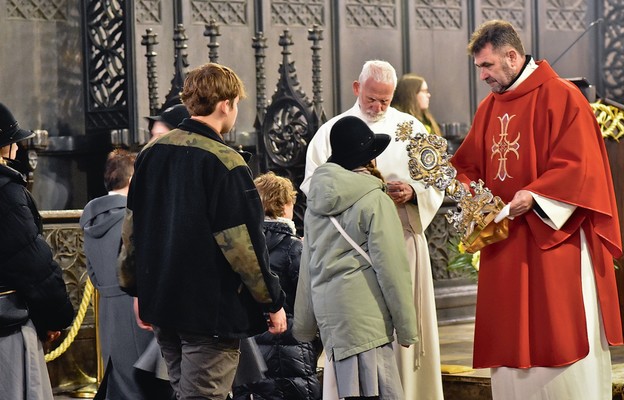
{"x": 356, "y": 298}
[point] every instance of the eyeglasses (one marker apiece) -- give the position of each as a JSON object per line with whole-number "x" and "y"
{"x": 424, "y": 90}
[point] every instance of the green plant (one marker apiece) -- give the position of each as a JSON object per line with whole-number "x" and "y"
{"x": 461, "y": 261}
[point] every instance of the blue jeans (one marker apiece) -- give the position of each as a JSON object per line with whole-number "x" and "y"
{"x": 199, "y": 367}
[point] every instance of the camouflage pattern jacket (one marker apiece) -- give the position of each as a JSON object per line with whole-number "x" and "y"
{"x": 193, "y": 248}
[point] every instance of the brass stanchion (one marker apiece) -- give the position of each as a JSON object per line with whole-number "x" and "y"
{"x": 98, "y": 339}
{"x": 90, "y": 389}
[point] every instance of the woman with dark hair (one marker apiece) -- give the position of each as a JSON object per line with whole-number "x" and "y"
{"x": 34, "y": 305}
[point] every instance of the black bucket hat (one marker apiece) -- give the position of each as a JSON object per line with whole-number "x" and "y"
{"x": 10, "y": 131}
{"x": 172, "y": 116}
{"x": 353, "y": 143}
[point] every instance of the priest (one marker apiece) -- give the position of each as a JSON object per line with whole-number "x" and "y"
{"x": 419, "y": 366}
{"x": 547, "y": 303}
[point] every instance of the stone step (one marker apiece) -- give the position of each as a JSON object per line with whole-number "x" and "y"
{"x": 474, "y": 384}
{"x": 455, "y": 301}
{"x": 466, "y": 387}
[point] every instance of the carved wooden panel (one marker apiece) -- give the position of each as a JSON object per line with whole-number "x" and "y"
{"x": 379, "y": 14}
{"x": 613, "y": 65}
{"x": 63, "y": 234}
{"x": 566, "y": 15}
{"x": 75, "y": 370}
{"x": 108, "y": 69}
{"x": 438, "y": 234}
{"x": 437, "y": 237}
{"x": 38, "y": 10}
{"x": 225, "y": 12}
{"x": 298, "y": 12}
{"x": 148, "y": 11}
{"x": 509, "y": 10}
{"x": 438, "y": 14}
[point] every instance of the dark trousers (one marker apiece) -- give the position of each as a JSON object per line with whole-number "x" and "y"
{"x": 199, "y": 367}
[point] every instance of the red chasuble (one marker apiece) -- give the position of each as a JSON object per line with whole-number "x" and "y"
{"x": 542, "y": 137}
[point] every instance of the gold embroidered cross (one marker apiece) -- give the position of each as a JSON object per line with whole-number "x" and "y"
{"x": 503, "y": 146}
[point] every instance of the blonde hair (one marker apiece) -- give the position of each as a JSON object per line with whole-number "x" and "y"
{"x": 207, "y": 85}
{"x": 275, "y": 192}
{"x": 405, "y": 100}
{"x": 7, "y": 156}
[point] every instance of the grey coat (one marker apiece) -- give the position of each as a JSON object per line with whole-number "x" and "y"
{"x": 122, "y": 341}
{"x": 356, "y": 305}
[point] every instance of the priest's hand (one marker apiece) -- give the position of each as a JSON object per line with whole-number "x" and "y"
{"x": 400, "y": 192}
{"x": 521, "y": 203}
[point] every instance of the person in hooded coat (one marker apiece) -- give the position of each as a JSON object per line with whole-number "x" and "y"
{"x": 355, "y": 285}
{"x": 122, "y": 340}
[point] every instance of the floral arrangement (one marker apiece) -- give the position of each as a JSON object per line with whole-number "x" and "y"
{"x": 467, "y": 264}
{"x": 460, "y": 260}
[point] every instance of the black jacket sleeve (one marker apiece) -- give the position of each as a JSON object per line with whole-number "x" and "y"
{"x": 27, "y": 263}
{"x": 241, "y": 239}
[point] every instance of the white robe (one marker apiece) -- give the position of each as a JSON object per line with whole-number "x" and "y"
{"x": 419, "y": 365}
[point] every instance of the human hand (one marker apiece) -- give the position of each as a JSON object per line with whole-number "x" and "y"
{"x": 277, "y": 322}
{"x": 521, "y": 203}
{"x": 140, "y": 323}
{"x": 51, "y": 336}
{"x": 400, "y": 192}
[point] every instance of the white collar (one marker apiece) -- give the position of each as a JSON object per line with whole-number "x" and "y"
{"x": 530, "y": 68}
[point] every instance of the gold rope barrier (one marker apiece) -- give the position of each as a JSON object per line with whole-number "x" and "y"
{"x": 73, "y": 331}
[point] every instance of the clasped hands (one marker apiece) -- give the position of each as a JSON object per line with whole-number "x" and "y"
{"x": 400, "y": 192}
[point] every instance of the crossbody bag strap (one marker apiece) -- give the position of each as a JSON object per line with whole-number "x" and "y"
{"x": 350, "y": 240}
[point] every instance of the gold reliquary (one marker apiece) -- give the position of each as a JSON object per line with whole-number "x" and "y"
{"x": 429, "y": 162}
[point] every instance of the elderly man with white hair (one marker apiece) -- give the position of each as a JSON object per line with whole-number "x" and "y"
{"x": 419, "y": 366}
